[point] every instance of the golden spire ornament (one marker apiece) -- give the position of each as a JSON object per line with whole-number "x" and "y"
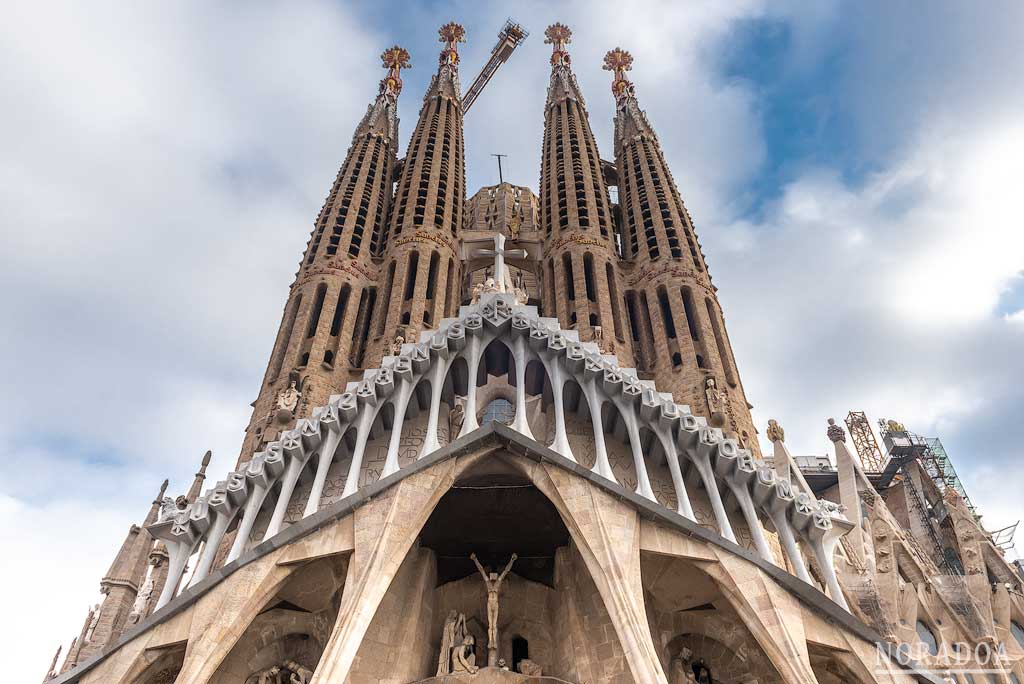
{"x": 394, "y": 59}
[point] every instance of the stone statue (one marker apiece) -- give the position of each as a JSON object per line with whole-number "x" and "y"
{"x": 299, "y": 673}
{"x": 521, "y": 297}
{"x": 444, "y": 658}
{"x": 456, "y": 418}
{"x": 515, "y": 222}
{"x": 493, "y": 581}
{"x": 168, "y": 509}
{"x": 141, "y": 601}
{"x": 269, "y": 676}
{"x": 677, "y": 671}
{"x": 396, "y": 345}
{"x": 94, "y": 619}
{"x": 519, "y": 289}
{"x": 775, "y": 432}
{"x": 464, "y": 656}
{"x": 530, "y": 668}
{"x": 478, "y": 289}
{"x": 287, "y": 402}
{"x": 599, "y": 338}
{"x": 716, "y": 402}
{"x": 835, "y": 433}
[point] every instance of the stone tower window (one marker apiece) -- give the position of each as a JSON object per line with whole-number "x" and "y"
{"x": 286, "y": 335}
{"x": 387, "y": 297}
{"x": 570, "y": 284}
{"x": 410, "y": 275}
{"x": 613, "y": 294}
{"x": 435, "y": 258}
{"x": 691, "y": 322}
{"x": 723, "y": 353}
{"x": 588, "y": 276}
{"x": 666, "y": 313}
{"x": 318, "y": 307}
{"x": 339, "y": 309}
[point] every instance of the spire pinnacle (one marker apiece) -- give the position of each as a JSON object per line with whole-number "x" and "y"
{"x": 451, "y": 34}
{"x": 394, "y": 59}
{"x": 558, "y": 35}
{"x": 619, "y": 61}
{"x": 197, "y": 483}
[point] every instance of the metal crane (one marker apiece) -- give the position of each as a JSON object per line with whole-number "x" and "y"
{"x": 509, "y": 38}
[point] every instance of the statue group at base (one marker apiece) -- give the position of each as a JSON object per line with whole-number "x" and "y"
{"x": 458, "y": 646}
{"x": 458, "y": 653}
{"x": 295, "y": 672}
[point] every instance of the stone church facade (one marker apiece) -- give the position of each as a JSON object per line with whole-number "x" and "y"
{"x": 504, "y": 439}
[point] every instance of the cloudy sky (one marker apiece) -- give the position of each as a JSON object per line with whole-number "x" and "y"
{"x": 853, "y": 170}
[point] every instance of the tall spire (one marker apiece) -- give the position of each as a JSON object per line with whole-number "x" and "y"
{"x": 446, "y": 80}
{"x": 381, "y": 118}
{"x": 324, "y": 327}
{"x": 197, "y": 484}
{"x": 581, "y": 273}
{"x": 419, "y": 276}
{"x": 563, "y": 81}
{"x": 630, "y": 120}
{"x": 687, "y": 343}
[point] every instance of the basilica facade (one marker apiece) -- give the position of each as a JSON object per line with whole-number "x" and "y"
{"x": 503, "y": 438}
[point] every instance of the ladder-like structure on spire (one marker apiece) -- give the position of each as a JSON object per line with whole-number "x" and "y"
{"x": 510, "y": 37}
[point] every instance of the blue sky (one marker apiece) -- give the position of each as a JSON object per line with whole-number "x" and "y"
{"x": 852, "y": 168}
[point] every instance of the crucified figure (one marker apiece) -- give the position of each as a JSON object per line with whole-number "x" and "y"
{"x": 493, "y": 581}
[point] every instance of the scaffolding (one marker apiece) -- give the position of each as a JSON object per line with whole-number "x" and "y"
{"x": 929, "y": 452}
{"x": 871, "y": 458}
{"x": 1003, "y": 538}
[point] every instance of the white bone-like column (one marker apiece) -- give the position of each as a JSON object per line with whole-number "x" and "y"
{"x": 220, "y": 526}
{"x": 323, "y": 466}
{"x": 702, "y": 462}
{"x": 742, "y": 496}
{"x": 400, "y": 401}
{"x": 438, "y": 371}
{"x": 252, "y": 509}
{"x": 472, "y": 354}
{"x": 789, "y": 545}
{"x": 629, "y": 418}
{"x": 558, "y": 379}
{"x": 291, "y": 476}
{"x": 178, "y": 553}
{"x": 520, "y": 424}
{"x": 823, "y": 547}
{"x": 367, "y": 415}
{"x": 594, "y": 400}
{"x": 224, "y": 501}
{"x": 668, "y": 445}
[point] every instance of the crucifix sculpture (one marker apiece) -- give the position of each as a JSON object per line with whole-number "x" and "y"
{"x": 493, "y": 581}
{"x": 501, "y": 278}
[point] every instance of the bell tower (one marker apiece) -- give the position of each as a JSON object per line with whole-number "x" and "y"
{"x": 676, "y": 322}
{"x": 581, "y": 269}
{"x": 420, "y": 272}
{"x": 323, "y": 336}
